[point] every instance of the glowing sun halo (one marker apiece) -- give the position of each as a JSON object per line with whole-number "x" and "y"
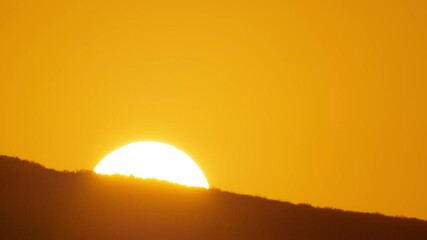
{"x": 153, "y": 160}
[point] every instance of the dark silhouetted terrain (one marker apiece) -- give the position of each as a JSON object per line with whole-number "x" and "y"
{"x": 40, "y": 203}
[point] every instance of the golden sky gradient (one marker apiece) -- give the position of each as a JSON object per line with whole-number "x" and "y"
{"x": 323, "y": 102}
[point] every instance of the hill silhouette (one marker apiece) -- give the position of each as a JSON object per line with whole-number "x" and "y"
{"x": 41, "y": 203}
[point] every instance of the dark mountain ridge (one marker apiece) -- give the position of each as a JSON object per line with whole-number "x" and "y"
{"x": 41, "y": 203}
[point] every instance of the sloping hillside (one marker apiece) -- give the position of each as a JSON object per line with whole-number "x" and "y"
{"x": 40, "y": 203}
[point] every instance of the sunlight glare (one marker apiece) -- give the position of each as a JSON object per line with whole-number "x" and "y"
{"x": 153, "y": 160}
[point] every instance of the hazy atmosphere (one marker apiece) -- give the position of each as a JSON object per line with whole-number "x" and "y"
{"x": 304, "y": 101}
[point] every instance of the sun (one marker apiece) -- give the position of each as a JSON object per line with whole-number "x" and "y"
{"x": 153, "y": 160}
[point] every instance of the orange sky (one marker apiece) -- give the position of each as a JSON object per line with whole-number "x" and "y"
{"x": 304, "y": 101}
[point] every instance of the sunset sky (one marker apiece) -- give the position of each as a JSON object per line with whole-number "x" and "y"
{"x": 320, "y": 102}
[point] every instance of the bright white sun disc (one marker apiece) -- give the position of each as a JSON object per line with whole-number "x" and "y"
{"x": 153, "y": 160}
